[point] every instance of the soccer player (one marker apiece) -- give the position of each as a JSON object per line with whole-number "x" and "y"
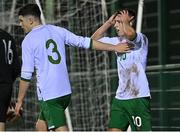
{"x": 44, "y": 48}
{"x": 131, "y": 104}
{"x": 9, "y": 70}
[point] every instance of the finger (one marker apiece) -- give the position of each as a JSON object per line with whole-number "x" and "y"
{"x": 131, "y": 18}
{"x": 126, "y": 12}
{"x": 17, "y": 110}
{"x": 113, "y": 16}
{"x": 121, "y": 12}
{"x": 126, "y": 46}
{"x": 10, "y": 106}
{"x": 131, "y": 46}
{"x": 128, "y": 51}
{"x": 119, "y": 15}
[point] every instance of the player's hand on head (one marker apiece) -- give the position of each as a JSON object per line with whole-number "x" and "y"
{"x": 111, "y": 20}
{"x": 124, "y": 15}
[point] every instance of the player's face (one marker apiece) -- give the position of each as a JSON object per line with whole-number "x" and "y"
{"x": 25, "y": 23}
{"x": 118, "y": 26}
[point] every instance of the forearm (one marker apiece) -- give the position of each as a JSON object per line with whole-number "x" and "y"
{"x": 100, "y": 31}
{"x": 102, "y": 46}
{"x": 23, "y": 86}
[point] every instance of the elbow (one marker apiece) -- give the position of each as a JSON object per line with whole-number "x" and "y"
{"x": 97, "y": 35}
{"x": 94, "y": 37}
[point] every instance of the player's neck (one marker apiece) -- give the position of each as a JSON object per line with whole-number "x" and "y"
{"x": 36, "y": 25}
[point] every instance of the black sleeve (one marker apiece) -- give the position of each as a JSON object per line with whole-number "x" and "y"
{"x": 15, "y": 64}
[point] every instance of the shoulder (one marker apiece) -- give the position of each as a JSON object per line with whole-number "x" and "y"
{"x": 7, "y": 39}
{"x": 58, "y": 30}
{"x": 28, "y": 40}
{"x": 5, "y": 35}
{"x": 140, "y": 38}
{"x": 55, "y": 27}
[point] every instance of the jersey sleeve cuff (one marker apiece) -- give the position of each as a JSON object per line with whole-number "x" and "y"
{"x": 91, "y": 44}
{"x": 26, "y": 80}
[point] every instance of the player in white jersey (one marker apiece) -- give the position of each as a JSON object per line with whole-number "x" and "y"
{"x": 131, "y": 105}
{"x": 44, "y": 48}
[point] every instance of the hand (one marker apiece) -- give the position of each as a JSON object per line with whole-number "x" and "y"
{"x": 124, "y": 15}
{"x": 18, "y": 108}
{"x": 11, "y": 114}
{"x": 111, "y": 20}
{"x": 124, "y": 47}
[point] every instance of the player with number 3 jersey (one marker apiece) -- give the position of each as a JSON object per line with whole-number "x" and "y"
{"x": 44, "y": 48}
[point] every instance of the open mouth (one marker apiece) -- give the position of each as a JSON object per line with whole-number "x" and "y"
{"x": 117, "y": 30}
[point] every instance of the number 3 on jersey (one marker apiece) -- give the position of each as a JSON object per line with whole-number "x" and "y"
{"x": 54, "y": 50}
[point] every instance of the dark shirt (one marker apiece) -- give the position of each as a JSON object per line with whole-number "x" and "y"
{"x": 9, "y": 62}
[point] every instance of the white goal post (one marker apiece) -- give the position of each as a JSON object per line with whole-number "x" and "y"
{"x": 139, "y": 15}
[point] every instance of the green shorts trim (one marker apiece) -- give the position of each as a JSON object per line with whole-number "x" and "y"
{"x": 133, "y": 112}
{"x": 52, "y": 111}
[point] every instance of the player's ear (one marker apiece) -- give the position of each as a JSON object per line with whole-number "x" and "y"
{"x": 30, "y": 20}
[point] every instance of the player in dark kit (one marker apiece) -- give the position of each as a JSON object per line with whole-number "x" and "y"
{"x": 9, "y": 70}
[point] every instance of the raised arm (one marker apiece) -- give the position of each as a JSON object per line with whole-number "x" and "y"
{"x": 100, "y": 31}
{"x": 121, "y": 47}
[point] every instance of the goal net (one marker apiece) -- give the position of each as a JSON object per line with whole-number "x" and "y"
{"x": 88, "y": 69}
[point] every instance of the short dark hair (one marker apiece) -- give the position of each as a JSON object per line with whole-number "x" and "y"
{"x": 30, "y": 9}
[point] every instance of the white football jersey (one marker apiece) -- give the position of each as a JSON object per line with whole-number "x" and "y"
{"x": 133, "y": 82}
{"x": 44, "y": 49}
